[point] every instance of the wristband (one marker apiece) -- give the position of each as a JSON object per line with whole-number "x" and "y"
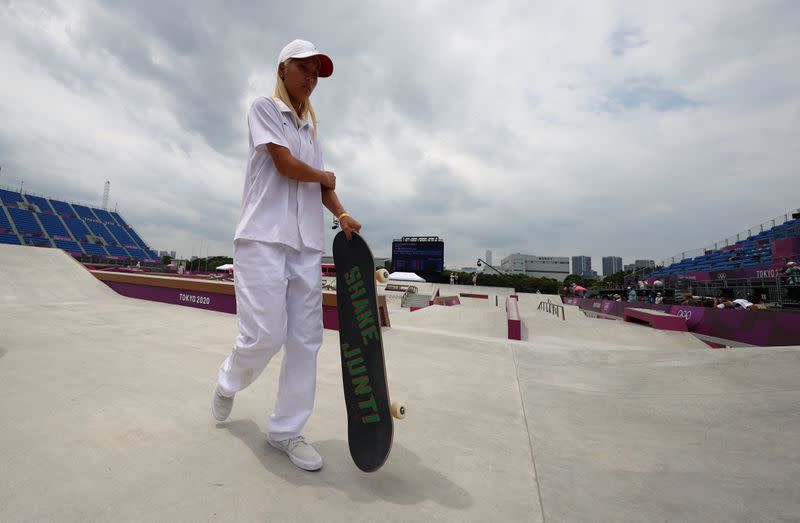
{"x": 342, "y": 216}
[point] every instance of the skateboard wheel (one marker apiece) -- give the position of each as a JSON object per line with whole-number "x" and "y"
{"x": 398, "y": 409}
{"x": 382, "y": 275}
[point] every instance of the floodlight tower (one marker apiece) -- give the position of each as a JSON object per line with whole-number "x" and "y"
{"x": 106, "y": 190}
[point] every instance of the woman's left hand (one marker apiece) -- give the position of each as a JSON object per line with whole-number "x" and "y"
{"x": 349, "y": 224}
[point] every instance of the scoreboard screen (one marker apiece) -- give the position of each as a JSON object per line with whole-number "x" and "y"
{"x": 414, "y": 255}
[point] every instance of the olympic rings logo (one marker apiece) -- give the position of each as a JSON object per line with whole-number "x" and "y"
{"x": 686, "y": 315}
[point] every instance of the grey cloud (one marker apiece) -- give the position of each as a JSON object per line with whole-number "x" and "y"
{"x": 637, "y": 93}
{"x": 626, "y": 38}
{"x": 501, "y": 143}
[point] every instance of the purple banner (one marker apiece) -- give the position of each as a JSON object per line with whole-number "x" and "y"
{"x": 202, "y": 300}
{"x": 762, "y": 328}
{"x": 766, "y": 272}
{"x": 187, "y": 298}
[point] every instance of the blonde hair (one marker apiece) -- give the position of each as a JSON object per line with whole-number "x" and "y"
{"x": 307, "y": 110}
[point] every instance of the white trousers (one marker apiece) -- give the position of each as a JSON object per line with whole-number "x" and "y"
{"x": 278, "y": 302}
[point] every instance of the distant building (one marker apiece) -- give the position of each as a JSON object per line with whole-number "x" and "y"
{"x": 554, "y": 267}
{"x": 630, "y": 267}
{"x": 644, "y": 264}
{"x": 582, "y": 266}
{"x": 488, "y": 257}
{"x": 611, "y": 265}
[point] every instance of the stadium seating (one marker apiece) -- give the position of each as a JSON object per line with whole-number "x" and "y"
{"x": 26, "y": 222}
{"x": 100, "y": 230}
{"x": 119, "y": 219}
{"x": 754, "y": 251}
{"x": 117, "y": 251}
{"x": 38, "y": 241}
{"x": 69, "y": 246}
{"x": 5, "y": 224}
{"x": 35, "y": 220}
{"x": 63, "y": 208}
{"x": 93, "y": 248}
{"x": 78, "y": 228}
{"x": 104, "y": 216}
{"x": 11, "y": 239}
{"x": 84, "y": 212}
{"x": 10, "y": 198}
{"x": 54, "y": 226}
{"x": 122, "y": 235}
{"x": 41, "y": 203}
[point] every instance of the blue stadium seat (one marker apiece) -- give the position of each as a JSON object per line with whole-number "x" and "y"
{"x": 41, "y": 203}
{"x": 119, "y": 219}
{"x": 5, "y": 225}
{"x": 63, "y": 208}
{"x": 78, "y": 228}
{"x": 136, "y": 237}
{"x": 38, "y": 241}
{"x": 54, "y": 227}
{"x": 93, "y": 248}
{"x": 69, "y": 246}
{"x": 137, "y": 254}
{"x": 10, "y": 198}
{"x": 104, "y": 216}
{"x": 9, "y": 239}
{"x": 117, "y": 251}
{"x": 25, "y": 221}
{"x": 122, "y": 235}
{"x": 84, "y": 212}
{"x": 100, "y": 230}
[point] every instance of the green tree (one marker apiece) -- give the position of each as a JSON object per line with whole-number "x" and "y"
{"x": 578, "y": 280}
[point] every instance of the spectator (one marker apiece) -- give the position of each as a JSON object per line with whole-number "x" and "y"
{"x": 724, "y": 303}
{"x": 474, "y": 279}
{"x": 659, "y": 299}
{"x": 742, "y": 303}
{"x": 631, "y": 294}
{"x": 758, "y": 304}
{"x": 688, "y": 299}
{"x": 792, "y": 273}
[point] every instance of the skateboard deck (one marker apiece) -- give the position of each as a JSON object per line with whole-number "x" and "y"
{"x": 366, "y": 393}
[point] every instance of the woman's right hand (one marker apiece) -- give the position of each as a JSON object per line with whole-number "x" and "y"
{"x": 329, "y": 180}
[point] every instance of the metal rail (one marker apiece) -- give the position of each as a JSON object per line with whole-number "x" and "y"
{"x": 553, "y": 308}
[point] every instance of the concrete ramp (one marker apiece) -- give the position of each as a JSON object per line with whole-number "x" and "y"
{"x": 106, "y": 418}
{"x": 40, "y": 276}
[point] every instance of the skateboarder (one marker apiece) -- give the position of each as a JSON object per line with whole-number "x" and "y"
{"x": 278, "y": 252}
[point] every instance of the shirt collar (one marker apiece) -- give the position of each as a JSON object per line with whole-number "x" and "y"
{"x": 282, "y": 107}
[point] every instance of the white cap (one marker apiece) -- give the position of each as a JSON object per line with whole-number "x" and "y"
{"x": 304, "y": 49}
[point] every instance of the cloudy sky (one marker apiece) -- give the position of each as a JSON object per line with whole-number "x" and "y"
{"x": 637, "y": 129}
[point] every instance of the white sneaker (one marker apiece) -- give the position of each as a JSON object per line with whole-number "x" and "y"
{"x": 300, "y": 452}
{"x": 221, "y": 405}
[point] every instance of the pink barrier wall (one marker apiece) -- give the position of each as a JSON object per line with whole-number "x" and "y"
{"x": 761, "y": 328}
{"x": 513, "y": 318}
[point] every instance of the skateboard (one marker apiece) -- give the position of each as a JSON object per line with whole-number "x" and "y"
{"x": 366, "y": 392}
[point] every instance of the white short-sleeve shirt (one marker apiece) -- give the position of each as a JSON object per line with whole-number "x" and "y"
{"x": 275, "y": 208}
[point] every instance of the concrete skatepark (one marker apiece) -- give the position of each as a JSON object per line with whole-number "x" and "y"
{"x": 106, "y": 417}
